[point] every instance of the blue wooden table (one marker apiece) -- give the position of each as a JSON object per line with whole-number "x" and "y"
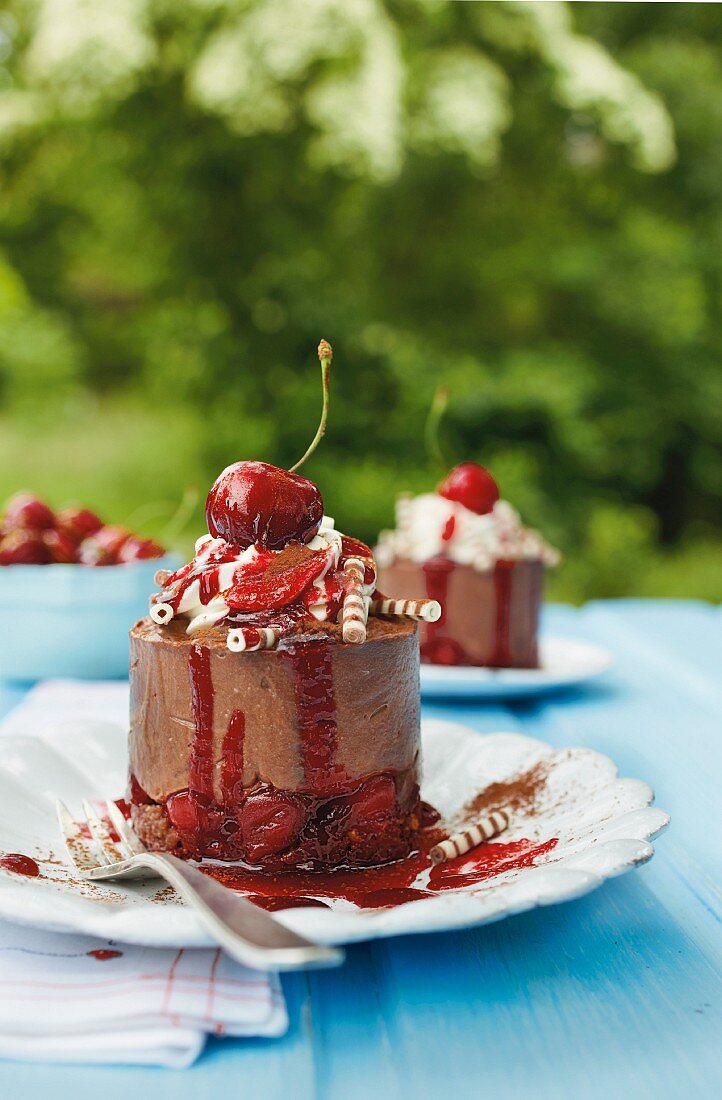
{"x": 616, "y": 995}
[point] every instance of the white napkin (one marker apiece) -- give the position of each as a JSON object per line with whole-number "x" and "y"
{"x": 68, "y": 998}
{"x": 77, "y": 999}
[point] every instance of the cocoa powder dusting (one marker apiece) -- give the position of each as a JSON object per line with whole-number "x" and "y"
{"x": 517, "y": 793}
{"x": 291, "y": 557}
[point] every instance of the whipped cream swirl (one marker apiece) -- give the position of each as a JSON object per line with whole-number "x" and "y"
{"x": 429, "y": 526}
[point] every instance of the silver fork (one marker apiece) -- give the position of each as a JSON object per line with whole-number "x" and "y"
{"x": 248, "y": 933}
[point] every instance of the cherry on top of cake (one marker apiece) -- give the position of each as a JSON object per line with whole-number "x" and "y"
{"x": 272, "y": 560}
{"x": 471, "y": 485}
{"x": 254, "y": 503}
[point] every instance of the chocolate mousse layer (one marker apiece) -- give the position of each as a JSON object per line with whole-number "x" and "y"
{"x": 307, "y": 754}
{"x": 489, "y": 617}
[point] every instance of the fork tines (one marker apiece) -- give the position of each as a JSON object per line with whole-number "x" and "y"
{"x": 94, "y": 846}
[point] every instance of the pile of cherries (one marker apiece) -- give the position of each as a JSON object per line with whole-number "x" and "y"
{"x": 31, "y": 533}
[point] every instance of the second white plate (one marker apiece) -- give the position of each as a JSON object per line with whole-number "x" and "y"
{"x": 564, "y": 662}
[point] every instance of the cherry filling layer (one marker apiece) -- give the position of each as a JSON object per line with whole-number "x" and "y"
{"x": 366, "y": 825}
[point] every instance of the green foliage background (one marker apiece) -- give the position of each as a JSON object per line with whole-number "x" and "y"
{"x": 519, "y": 200}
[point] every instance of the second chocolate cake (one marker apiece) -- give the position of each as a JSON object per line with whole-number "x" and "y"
{"x": 468, "y": 550}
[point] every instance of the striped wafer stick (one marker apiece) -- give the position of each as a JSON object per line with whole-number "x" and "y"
{"x": 249, "y": 639}
{"x": 161, "y": 576}
{"x": 161, "y": 613}
{"x": 460, "y": 843}
{"x": 428, "y": 611}
{"x": 355, "y": 604}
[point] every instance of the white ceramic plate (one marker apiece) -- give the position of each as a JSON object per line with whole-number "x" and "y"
{"x": 603, "y": 825}
{"x": 564, "y": 662}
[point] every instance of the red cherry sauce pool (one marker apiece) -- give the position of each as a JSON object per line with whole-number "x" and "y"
{"x": 382, "y": 887}
{"x": 440, "y": 650}
{"x": 20, "y": 865}
{"x": 102, "y": 954}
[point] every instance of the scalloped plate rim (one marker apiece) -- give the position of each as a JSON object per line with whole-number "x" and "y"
{"x": 172, "y": 925}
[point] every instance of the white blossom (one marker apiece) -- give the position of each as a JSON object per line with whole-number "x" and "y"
{"x": 83, "y": 50}
{"x": 464, "y": 106}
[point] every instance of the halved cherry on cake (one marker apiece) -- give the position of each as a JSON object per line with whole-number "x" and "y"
{"x": 375, "y": 798}
{"x": 471, "y": 485}
{"x": 186, "y": 811}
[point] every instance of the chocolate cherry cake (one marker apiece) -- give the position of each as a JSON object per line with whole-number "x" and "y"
{"x": 467, "y": 549}
{"x": 271, "y": 722}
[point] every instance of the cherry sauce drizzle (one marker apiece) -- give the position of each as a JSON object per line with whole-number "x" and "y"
{"x": 316, "y": 711}
{"x": 232, "y": 760}
{"x": 437, "y": 649}
{"x": 501, "y": 655}
{"x": 200, "y": 768}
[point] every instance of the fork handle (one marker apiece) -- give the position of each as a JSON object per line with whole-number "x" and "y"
{"x": 249, "y": 934}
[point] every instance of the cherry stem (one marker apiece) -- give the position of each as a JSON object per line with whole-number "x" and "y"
{"x": 325, "y": 355}
{"x": 437, "y": 409}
